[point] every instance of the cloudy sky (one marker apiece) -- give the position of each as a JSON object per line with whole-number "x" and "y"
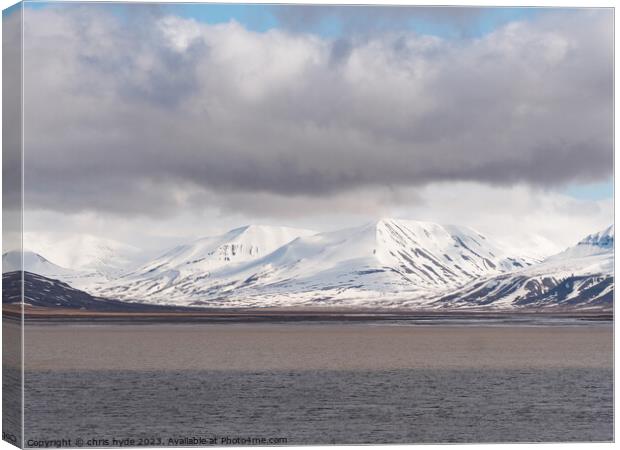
{"x": 156, "y": 124}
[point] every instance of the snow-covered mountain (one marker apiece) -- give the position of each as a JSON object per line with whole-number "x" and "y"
{"x": 378, "y": 263}
{"x": 239, "y": 245}
{"x": 86, "y": 253}
{"x": 89, "y": 278}
{"x": 593, "y": 244}
{"x": 386, "y": 263}
{"x": 582, "y": 275}
{"x": 33, "y": 262}
{"x": 51, "y": 293}
{"x": 188, "y": 264}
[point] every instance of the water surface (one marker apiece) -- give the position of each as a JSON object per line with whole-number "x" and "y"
{"x": 320, "y": 383}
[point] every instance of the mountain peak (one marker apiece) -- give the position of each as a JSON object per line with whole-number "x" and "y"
{"x": 207, "y": 254}
{"x": 31, "y": 262}
{"x": 261, "y": 228}
{"x": 396, "y": 221}
{"x": 266, "y": 236}
{"x": 601, "y": 242}
{"x": 84, "y": 252}
{"x": 603, "y": 239}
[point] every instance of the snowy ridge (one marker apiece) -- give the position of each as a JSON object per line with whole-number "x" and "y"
{"x": 603, "y": 239}
{"x": 33, "y": 262}
{"x": 386, "y": 263}
{"x": 379, "y": 262}
{"x": 191, "y": 263}
{"x": 593, "y": 244}
{"x": 238, "y": 245}
{"x": 37, "y": 264}
{"x": 582, "y": 275}
{"x": 50, "y": 293}
{"x": 86, "y": 253}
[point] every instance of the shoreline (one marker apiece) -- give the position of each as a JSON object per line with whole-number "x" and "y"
{"x": 13, "y": 312}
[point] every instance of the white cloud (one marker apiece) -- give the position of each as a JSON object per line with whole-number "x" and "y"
{"x": 530, "y": 220}
{"x": 112, "y": 106}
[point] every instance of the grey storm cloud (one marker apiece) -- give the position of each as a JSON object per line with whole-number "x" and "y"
{"x": 146, "y": 113}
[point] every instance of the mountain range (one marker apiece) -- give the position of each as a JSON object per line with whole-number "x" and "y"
{"x": 386, "y": 263}
{"x": 581, "y": 275}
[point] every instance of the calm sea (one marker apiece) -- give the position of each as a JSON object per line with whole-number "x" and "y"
{"x": 165, "y": 384}
{"x": 323, "y": 407}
